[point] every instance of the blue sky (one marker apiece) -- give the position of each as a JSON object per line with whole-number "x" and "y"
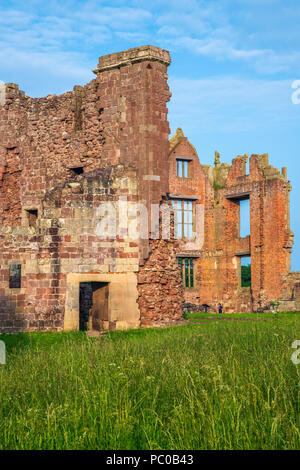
{"x": 233, "y": 65}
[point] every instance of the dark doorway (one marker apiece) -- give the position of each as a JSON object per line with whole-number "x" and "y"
{"x": 93, "y": 305}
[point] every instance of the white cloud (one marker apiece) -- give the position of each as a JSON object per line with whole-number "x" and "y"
{"x": 65, "y": 36}
{"x": 221, "y": 49}
{"x": 226, "y": 31}
{"x": 42, "y": 64}
{"x": 175, "y": 24}
{"x": 229, "y": 104}
{"x": 59, "y": 44}
{"x": 137, "y": 37}
{"x": 116, "y": 16}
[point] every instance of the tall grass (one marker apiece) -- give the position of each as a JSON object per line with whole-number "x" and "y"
{"x": 226, "y": 386}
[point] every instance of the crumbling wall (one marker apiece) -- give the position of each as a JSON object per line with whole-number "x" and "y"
{"x": 218, "y": 262}
{"x": 159, "y": 286}
{"x": 64, "y": 241}
{"x": 10, "y": 209}
{"x": 61, "y": 157}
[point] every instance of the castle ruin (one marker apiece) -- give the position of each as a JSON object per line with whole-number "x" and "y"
{"x": 107, "y": 143}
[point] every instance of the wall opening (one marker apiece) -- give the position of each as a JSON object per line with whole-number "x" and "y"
{"x": 93, "y": 305}
{"x": 248, "y": 167}
{"x": 246, "y": 271}
{"x": 244, "y": 217}
{"x": 121, "y": 307}
{"x": 187, "y": 271}
{"x": 184, "y": 218}
{"x": 77, "y": 170}
{"x": 32, "y": 217}
{"x": 182, "y": 168}
{"x": 15, "y": 276}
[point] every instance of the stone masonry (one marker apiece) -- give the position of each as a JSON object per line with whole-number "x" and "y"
{"x": 218, "y": 264}
{"x": 62, "y": 157}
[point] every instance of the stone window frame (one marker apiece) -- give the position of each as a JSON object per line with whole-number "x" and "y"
{"x": 185, "y": 209}
{"x": 183, "y": 167}
{"x": 240, "y": 279}
{"x": 238, "y": 257}
{"x": 187, "y": 266}
{"x": 237, "y": 197}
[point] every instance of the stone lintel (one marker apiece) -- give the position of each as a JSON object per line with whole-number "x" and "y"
{"x": 240, "y": 196}
{"x": 184, "y": 196}
{"x": 243, "y": 253}
{"x": 188, "y": 159}
{"x": 187, "y": 255}
{"x": 151, "y": 178}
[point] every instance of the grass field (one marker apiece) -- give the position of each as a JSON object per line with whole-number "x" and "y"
{"x": 210, "y": 386}
{"x": 239, "y": 316}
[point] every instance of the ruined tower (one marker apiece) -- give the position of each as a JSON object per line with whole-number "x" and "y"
{"x": 62, "y": 159}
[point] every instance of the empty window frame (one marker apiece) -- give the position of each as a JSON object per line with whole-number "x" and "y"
{"x": 187, "y": 271}
{"x": 15, "y": 276}
{"x": 246, "y": 271}
{"x": 182, "y": 168}
{"x": 244, "y": 217}
{"x": 183, "y": 218}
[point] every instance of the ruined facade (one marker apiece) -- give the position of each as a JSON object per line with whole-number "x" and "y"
{"x": 65, "y": 160}
{"x": 217, "y": 265}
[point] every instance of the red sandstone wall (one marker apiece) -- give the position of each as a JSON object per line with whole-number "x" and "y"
{"x": 133, "y": 102}
{"x": 195, "y": 184}
{"x": 116, "y": 128}
{"x": 218, "y": 266}
{"x": 159, "y": 285}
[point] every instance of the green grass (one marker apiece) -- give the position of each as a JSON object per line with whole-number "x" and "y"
{"x": 212, "y": 386}
{"x": 228, "y": 316}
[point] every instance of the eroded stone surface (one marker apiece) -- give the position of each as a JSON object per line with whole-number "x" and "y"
{"x": 61, "y": 157}
{"x": 218, "y": 263}
{"x": 65, "y": 155}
